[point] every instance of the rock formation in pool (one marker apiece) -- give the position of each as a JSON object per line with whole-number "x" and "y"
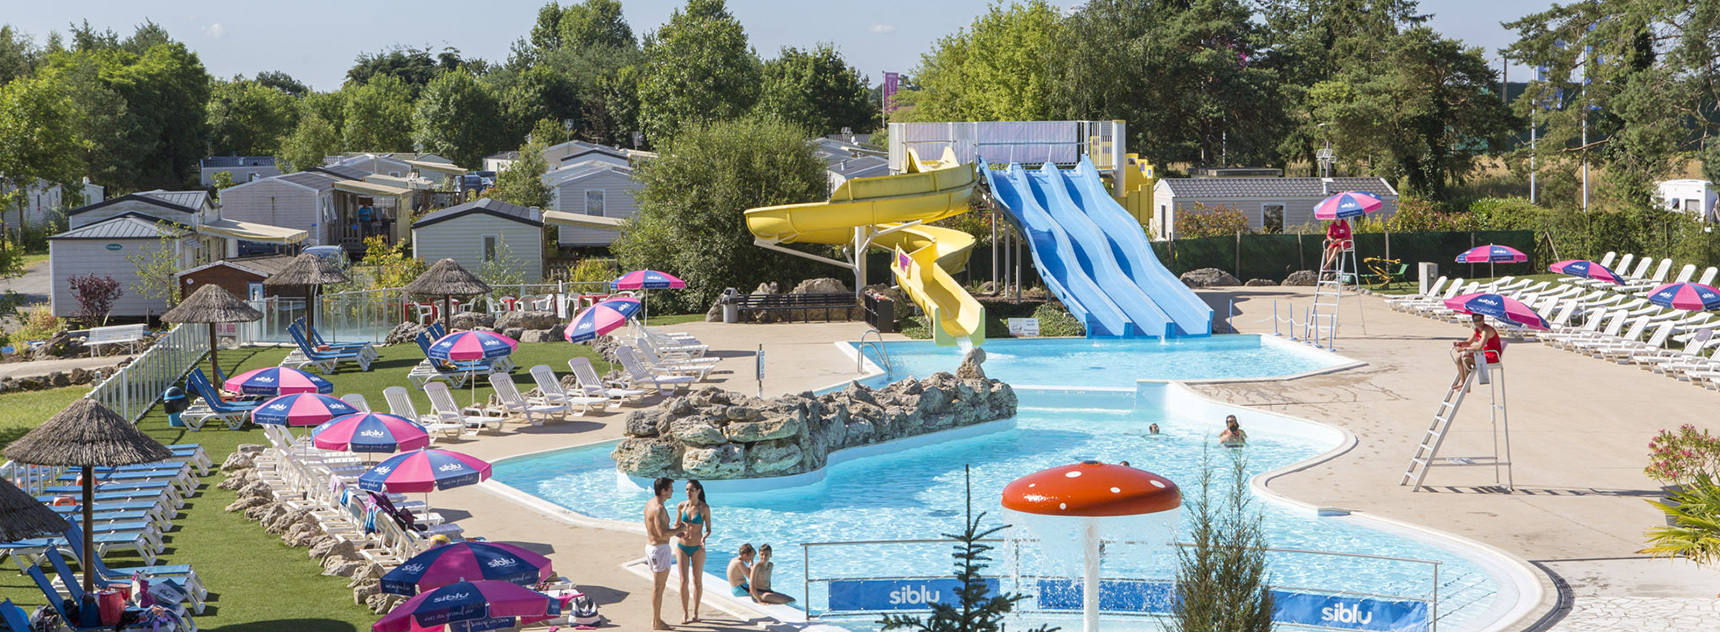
{"x": 713, "y": 434}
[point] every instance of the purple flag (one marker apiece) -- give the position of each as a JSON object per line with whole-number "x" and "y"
{"x": 890, "y": 81}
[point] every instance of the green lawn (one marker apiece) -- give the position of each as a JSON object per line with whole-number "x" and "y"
{"x": 35, "y": 258}
{"x": 256, "y": 583}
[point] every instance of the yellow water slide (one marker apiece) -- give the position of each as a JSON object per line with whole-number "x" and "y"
{"x": 891, "y": 211}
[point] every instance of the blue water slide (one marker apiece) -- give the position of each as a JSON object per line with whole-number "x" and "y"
{"x": 1189, "y": 315}
{"x": 1093, "y": 253}
{"x": 1054, "y": 255}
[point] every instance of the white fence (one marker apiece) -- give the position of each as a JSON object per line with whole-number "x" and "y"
{"x": 1003, "y": 142}
{"x": 368, "y": 315}
{"x": 136, "y": 387}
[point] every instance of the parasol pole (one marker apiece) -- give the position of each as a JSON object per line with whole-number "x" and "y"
{"x": 448, "y": 313}
{"x": 1090, "y": 579}
{"x": 89, "y": 532}
{"x": 213, "y": 362}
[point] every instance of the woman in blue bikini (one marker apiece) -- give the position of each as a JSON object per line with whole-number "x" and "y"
{"x": 693, "y": 521}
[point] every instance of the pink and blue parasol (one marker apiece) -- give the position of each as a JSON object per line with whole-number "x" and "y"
{"x": 277, "y": 380}
{"x": 370, "y": 432}
{"x": 463, "y": 346}
{"x": 467, "y": 601}
{"x": 300, "y": 409}
{"x": 647, "y": 280}
{"x": 1492, "y": 253}
{"x": 460, "y": 561}
{"x": 1502, "y": 307}
{"x": 424, "y": 470}
{"x": 601, "y": 318}
{"x": 1695, "y": 297}
{"x": 1587, "y": 270}
{"x": 1347, "y": 205}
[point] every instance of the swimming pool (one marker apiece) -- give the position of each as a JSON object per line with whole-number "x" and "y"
{"x": 1114, "y": 363}
{"x": 918, "y": 493}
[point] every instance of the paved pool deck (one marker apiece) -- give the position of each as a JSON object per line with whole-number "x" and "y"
{"x": 1580, "y": 429}
{"x": 1579, "y": 440}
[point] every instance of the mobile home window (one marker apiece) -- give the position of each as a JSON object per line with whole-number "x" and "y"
{"x": 594, "y": 202}
{"x": 1693, "y": 205}
{"x": 489, "y": 248}
{"x": 1272, "y": 218}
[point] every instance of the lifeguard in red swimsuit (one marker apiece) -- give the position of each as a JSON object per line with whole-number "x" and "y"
{"x": 1485, "y": 339}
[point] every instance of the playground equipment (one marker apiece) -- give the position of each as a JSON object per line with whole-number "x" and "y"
{"x": 1093, "y": 255}
{"x": 890, "y": 213}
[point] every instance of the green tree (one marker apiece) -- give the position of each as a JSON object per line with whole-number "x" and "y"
{"x": 222, "y": 180}
{"x": 1222, "y": 573}
{"x": 700, "y": 70}
{"x": 978, "y": 611}
{"x": 997, "y": 69}
{"x": 312, "y": 141}
{"x": 456, "y": 117}
{"x": 248, "y": 118}
{"x": 1423, "y": 112}
{"x": 594, "y": 23}
{"x": 377, "y": 115}
{"x": 39, "y": 141}
{"x": 18, "y": 54}
{"x": 522, "y": 181}
{"x": 690, "y": 218}
{"x": 546, "y": 32}
{"x": 535, "y": 94}
{"x": 818, "y": 90}
{"x": 116, "y": 144}
{"x": 415, "y": 67}
{"x": 166, "y": 93}
{"x": 283, "y": 82}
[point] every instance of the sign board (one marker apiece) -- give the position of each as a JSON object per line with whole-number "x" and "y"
{"x": 115, "y": 246}
{"x": 1339, "y": 612}
{"x": 1024, "y": 327}
{"x": 878, "y": 595}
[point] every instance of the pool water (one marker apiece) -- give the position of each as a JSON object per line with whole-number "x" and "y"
{"x": 1113, "y": 363}
{"x": 919, "y": 494}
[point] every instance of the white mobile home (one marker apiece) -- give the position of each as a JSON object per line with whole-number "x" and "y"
{"x": 241, "y": 168}
{"x": 103, "y": 248}
{"x": 1271, "y": 204}
{"x": 481, "y": 231}
{"x": 593, "y": 188}
{"x": 184, "y": 207}
{"x": 1696, "y": 197}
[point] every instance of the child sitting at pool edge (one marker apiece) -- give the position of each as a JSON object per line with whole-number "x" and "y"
{"x": 761, "y": 579}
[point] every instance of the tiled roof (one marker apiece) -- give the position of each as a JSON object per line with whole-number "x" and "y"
{"x": 488, "y": 206}
{"x": 132, "y": 225}
{"x": 215, "y": 162}
{"x": 1274, "y": 187}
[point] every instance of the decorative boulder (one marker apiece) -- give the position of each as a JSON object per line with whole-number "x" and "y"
{"x": 970, "y": 370}
{"x": 403, "y": 333}
{"x": 472, "y": 320}
{"x": 540, "y": 335}
{"x": 1259, "y": 283}
{"x": 648, "y": 457}
{"x": 528, "y": 319}
{"x": 1304, "y": 278}
{"x": 723, "y": 462}
{"x": 754, "y": 431}
{"x": 773, "y": 457}
{"x": 1209, "y": 277}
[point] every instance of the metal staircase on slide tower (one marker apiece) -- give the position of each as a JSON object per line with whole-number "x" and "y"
{"x": 1427, "y": 452}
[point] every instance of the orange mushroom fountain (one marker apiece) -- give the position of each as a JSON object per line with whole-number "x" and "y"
{"x": 1099, "y": 497}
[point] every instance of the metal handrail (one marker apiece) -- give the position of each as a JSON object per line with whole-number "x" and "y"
{"x": 883, "y": 352}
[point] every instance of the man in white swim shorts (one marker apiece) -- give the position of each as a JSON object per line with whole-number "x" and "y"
{"x": 658, "y": 532}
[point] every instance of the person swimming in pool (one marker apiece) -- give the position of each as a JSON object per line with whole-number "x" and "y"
{"x": 693, "y": 517}
{"x": 1153, "y": 429}
{"x": 761, "y": 570}
{"x": 1233, "y": 436}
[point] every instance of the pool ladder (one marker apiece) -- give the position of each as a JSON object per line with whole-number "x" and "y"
{"x": 883, "y": 352}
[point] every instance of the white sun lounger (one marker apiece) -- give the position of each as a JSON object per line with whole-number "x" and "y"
{"x": 443, "y": 406}
{"x": 639, "y": 375}
{"x": 534, "y": 408}
{"x": 400, "y": 404}
{"x": 594, "y": 386}
{"x": 554, "y": 393}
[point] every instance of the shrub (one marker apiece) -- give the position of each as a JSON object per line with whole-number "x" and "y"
{"x": 95, "y": 295}
{"x": 36, "y": 323}
{"x": 1199, "y": 220}
{"x": 504, "y": 269}
{"x": 1683, "y": 456}
{"x": 389, "y": 265}
{"x": 1222, "y": 572}
{"x": 594, "y": 270}
{"x": 1055, "y": 320}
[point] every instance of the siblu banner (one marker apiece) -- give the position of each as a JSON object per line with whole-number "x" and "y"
{"x": 1349, "y": 613}
{"x": 891, "y": 80}
{"x": 1114, "y": 596}
{"x": 872, "y": 595}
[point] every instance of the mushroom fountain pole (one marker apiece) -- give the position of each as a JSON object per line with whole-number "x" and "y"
{"x": 1091, "y": 491}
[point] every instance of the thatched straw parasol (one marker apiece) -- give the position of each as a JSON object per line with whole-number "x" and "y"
{"x": 447, "y": 279}
{"x": 87, "y": 435}
{"x": 310, "y": 271}
{"x": 210, "y": 304}
{"x": 22, "y": 517}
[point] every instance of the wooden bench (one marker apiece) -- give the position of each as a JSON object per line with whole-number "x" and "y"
{"x": 114, "y": 335}
{"x": 826, "y": 301}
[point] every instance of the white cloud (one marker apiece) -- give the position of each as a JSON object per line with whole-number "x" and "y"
{"x": 215, "y": 30}
{"x": 882, "y": 28}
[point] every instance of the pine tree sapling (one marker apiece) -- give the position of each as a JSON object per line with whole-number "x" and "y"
{"x": 1221, "y": 579}
{"x": 976, "y": 610}
{"x": 95, "y": 295}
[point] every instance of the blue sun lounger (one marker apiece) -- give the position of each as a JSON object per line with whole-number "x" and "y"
{"x": 137, "y": 489}
{"x": 73, "y": 582}
{"x": 181, "y": 573}
{"x": 76, "y": 593}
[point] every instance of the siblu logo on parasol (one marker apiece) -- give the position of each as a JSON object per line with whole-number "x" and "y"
{"x": 277, "y": 406}
{"x": 371, "y": 433}
{"x": 411, "y": 568}
{"x": 450, "y": 467}
{"x": 451, "y": 597}
{"x": 265, "y": 378}
{"x": 382, "y": 469}
{"x": 502, "y": 562}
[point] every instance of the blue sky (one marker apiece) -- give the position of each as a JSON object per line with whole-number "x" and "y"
{"x": 316, "y": 40}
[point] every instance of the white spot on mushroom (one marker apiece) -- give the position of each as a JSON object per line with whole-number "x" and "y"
{"x": 1115, "y": 490}
{"x": 1064, "y": 506}
{"x": 1072, "y": 474}
{"x": 1158, "y": 484}
{"x": 1032, "y": 485}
